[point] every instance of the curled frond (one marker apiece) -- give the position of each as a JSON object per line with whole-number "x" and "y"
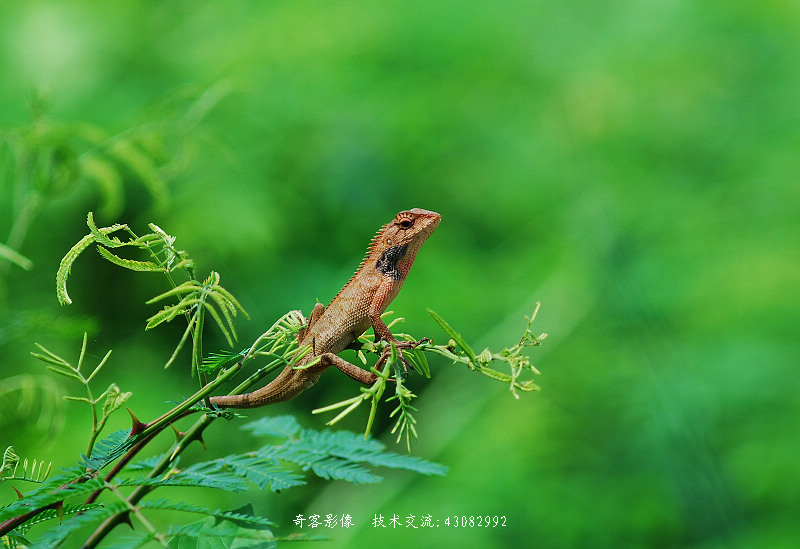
{"x": 35, "y": 471}
{"x": 10, "y": 462}
{"x": 65, "y": 267}
{"x": 159, "y": 246}
{"x": 98, "y": 235}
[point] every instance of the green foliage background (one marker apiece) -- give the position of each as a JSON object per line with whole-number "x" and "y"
{"x": 632, "y": 165}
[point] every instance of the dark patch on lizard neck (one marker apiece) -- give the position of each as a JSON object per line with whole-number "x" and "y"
{"x": 387, "y": 262}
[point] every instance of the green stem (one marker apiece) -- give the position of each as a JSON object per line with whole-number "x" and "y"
{"x": 197, "y": 337}
{"x": 95, "y": 430}
{"x": 183, "y": 407}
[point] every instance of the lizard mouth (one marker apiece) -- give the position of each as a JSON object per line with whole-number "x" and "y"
{"x": 432, "y": 218}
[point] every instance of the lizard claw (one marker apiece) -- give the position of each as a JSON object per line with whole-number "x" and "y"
{"x": 400, "y": 345}
{"x": 406, "y": 364}
{"x": 385, "y": 358}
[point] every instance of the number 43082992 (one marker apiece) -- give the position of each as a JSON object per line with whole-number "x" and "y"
{"x": 464, "y": 521}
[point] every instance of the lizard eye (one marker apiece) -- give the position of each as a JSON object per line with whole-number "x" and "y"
{"x": 406, "y": 223}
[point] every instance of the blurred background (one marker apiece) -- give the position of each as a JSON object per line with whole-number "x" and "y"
{"x": 632, "y": 165}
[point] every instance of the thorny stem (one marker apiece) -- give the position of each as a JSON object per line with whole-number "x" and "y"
{"x": 161, "y": 538}
{"x": 121, "y": 464}
{"x": 194, "y": 433}
{"x": 184, "y": 406}
{"x": 152, "y": 429}
{"x": 13, "y": 523}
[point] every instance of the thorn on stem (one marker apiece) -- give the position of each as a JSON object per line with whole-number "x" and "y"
{"x": 126, "y": 519}
{"x": 59, "y": 507}
{"x": 178, "y": 434}
{"x": 137, "y": 426}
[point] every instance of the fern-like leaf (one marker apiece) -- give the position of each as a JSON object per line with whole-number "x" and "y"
{"x": 37, "y": 472}
{"x": 171, "y": 311}
{"x": 101, "y": 236}
{"x": 208, "y": 474}
{"x": 224, "y": 532}
{"x": 130, "y": 264}
{"x": 186, "y": 287}
{"x": 60, "y": 514}
{"x": 55, "y": 536}
{"x": 261, "y": 471}
{"x": 238, "y": 528}
{"x": 215, "y": 361}
{"x": 233, "y": 303}
{"x": 334, "y": 454}
{"x": 226, "y": 328}
{"x": 352, "y": 447}
{"x": 330, "y": 468}
{"x": 57, "y": 489}
{"x": 108, "y": 449}
{"x": 237, "y": 514}
{"x": 276, "y": 426}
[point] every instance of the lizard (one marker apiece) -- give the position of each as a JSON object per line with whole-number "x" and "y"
{"x": 358, "y": 305}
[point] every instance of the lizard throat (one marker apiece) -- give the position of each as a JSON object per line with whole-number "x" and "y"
{"x": 387, "y": 263}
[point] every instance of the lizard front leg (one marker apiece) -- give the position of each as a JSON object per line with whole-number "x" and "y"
{"x": 379, "y": 303}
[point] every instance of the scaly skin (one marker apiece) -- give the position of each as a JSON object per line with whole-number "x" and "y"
{"x": 355, "y": 308}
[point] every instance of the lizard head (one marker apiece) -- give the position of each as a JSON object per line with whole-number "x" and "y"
{"x": 409, "y": 227}
{"x": 397, "y": 243}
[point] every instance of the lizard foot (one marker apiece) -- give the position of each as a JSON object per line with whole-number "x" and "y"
{"x": 400, "y": 345}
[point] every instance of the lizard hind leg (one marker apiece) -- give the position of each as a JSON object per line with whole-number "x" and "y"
{"x": 351, "y": 370}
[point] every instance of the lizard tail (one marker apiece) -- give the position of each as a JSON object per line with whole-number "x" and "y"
{"x": 285, "y": 387}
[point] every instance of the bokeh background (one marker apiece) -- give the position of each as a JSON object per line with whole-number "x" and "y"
{"x": 631, "y": 165}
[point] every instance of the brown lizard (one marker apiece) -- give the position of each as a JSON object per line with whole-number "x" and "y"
{"x": 355, "y": 308}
